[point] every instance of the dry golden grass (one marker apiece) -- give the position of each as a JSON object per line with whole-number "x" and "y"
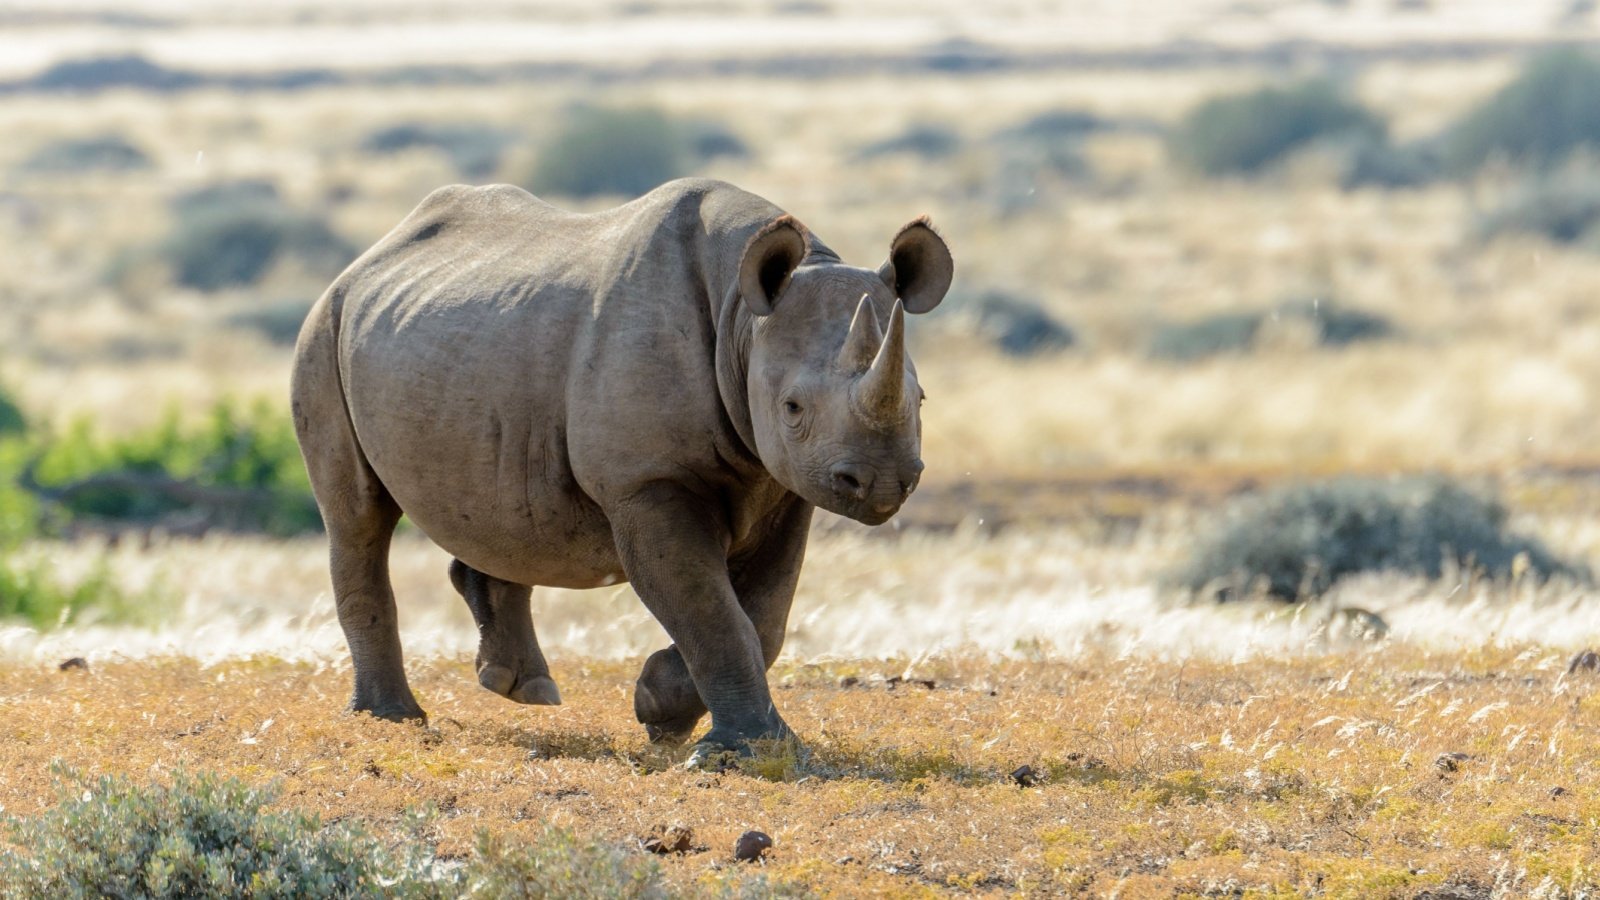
{"x": 1270, "y": 777}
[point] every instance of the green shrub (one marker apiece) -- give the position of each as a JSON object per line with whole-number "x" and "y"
{"x": 201, "y": 836}
{"x": 240, "y": 469}
{"x": 230, "y": 235}
{"x": 1214, "y": 335}
{"x": 278, "y": 322}
{"x": 12, "y": 421}
{"x": 33, "y": 594}
{"x": 1298, "y": 541}
{"x": 102, "y": 72}
{"x": 475, "y": 150}
{"x": 713, "y": 140}
{"x": 1374, "y": 162}
{"x": 1563, "y": 208}
{"x": 1539, "y": 119}
{"x": 1337, "y": 325}
{"x": 1242, "y": 134}
{"x": 925, "y": 140}
{"x": 611, "y": 151}
{"x": 105, "y": 153}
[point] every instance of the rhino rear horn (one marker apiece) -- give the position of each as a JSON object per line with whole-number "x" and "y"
{"x": 919, "y": 268}
{"x": 881, "y": 391}
{"x": 769, "y": 259}
{"x": 863, "y": 340}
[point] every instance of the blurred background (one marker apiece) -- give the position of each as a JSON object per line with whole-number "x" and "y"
{"x": 1277, "y": 322}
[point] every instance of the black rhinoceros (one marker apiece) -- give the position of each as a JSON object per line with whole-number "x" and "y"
{"x": 659, "y": 393}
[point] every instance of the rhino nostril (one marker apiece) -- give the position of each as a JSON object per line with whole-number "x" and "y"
{"x": 847, "y": 480}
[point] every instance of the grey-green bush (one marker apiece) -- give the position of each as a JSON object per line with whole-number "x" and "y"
{"x": 104, "y": 153}
{"x": 1017, "y": 325}
{"x": 1243, "y": 134}
{"x": 1550, "y": 110}
{"x": 1297, "y": 542}
{"x": 602, "y": 151}
{"x": 201, "y": 836}
{"x": 1563, "y": 208}
{"x": 1337, "y": 325}
{"x": 229, "y": 235}
{"x": 926, "y": 140}
{"x": 1214, "y": 335}
{"x": 12, "y": 420}
{"x": 475, "y": 150}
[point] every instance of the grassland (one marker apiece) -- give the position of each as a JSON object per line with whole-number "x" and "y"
{"x": 1187, "y": 748}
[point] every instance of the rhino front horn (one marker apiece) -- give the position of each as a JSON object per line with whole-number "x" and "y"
{"x": 881, "y": 391}
{"x": 862, "y": 343}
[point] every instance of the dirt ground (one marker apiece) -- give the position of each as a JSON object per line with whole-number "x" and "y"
{"x": 1383, "y": 772}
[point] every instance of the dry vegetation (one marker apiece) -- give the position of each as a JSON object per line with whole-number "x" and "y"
{"x": 1249, "y": 749}
{"x": 1360, "y": 774}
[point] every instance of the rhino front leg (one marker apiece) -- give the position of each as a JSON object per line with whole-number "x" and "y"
{"x": 675, "y": 552}
{"x": 665, "y": 700}
{"x": 509, "y": 660}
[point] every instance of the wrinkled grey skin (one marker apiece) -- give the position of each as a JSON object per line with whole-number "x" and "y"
{"x": 659, "y": 393}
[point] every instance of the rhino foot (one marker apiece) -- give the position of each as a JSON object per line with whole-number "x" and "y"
{"x": 665, "y": 700}
{"x": 532, "y": 689}
{"x": 392, "y": 712}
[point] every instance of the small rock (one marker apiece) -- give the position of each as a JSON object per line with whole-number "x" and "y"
{"x": 893, "y": 680}
{"x": 1557, "y": 791}
{"x": 1588, "y": 659}
{"x": 677, "y": 839}
{"x": 751, "y": 846}
{"x": 1026, "y": 777}
{"x": 77, "y": 663}
{"x": 1450, "y": 762}
{"x": 849, "y": 681}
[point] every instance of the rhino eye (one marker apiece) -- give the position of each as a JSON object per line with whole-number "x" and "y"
{"x": 791, "y": 407}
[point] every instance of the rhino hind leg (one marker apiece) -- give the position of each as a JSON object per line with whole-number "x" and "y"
{"x": 665, "y": 700}
{"x": 360, "y": 516}
{"x": 509, "y": 660}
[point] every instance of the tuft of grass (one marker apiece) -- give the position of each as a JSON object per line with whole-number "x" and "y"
{"x": 102, "y": 153}
{"x": 1296, "y": 542}
{"x": 559, "y": 864}
{"x": 1538, "y": 120}
{"x": 1243, "y": 134}
{"x": 200, "y": 836}
{"x": 604, "y": 151}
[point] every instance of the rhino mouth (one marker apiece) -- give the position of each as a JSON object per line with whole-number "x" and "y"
{"x": 864, "y": 511}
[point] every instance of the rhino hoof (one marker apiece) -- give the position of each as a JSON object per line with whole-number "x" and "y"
{"x": 536, "y": 690}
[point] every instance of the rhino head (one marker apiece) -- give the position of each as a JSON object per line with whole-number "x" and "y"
{"x": 834, "y": 399}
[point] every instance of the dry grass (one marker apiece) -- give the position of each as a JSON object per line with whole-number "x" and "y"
{"x": 1274, "y": 777}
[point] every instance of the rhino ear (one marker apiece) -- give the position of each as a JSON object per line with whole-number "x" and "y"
{"x": 769, "y": 259}
{"x": 919, "y": 268}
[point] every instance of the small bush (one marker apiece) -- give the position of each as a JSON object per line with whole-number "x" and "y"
{"x": 12, "y": 421}
{"x": 1242, "y": 134}
{"x": 1215, "y": 335}
{"x": 924, "y": 140}
{"x": 33, "y": 594}
{"x": 1564, "y": 209}
{"x": 1057, "y": 125}
{"x": 103, "y": 72}
{"x": 1018, "y": 326}
{"x": 1539, "y": 119}
{"x": 239, "y": 469}
{"x": 106, "y": 153}
{"x": 1298, "y": 541}
{"x": 199, "y": 837}
{"x": 1336, "y": 325}
{"x": 1374, "y": 162}
{"x": 230, "y": 235}
{"x": 475, "y": 150}
{"x": 611, "y": 152}
{"x": 279, "y": 323}
{"x": 713, "y": 140}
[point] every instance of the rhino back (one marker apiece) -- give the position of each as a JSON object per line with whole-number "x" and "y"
{"x": 509, "y": 366}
